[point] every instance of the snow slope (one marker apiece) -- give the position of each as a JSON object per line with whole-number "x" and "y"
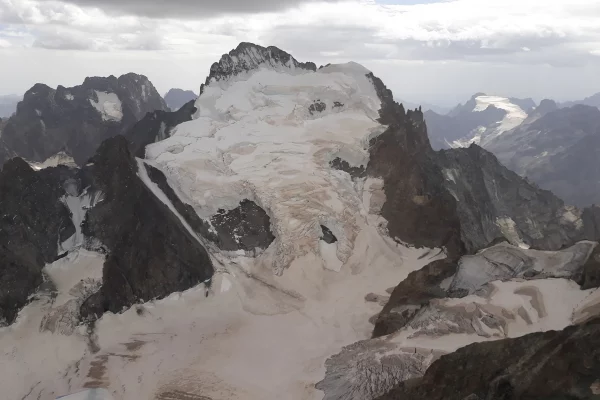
{"x": 259, "y": 136}
{"x": 109, "y": 106}
{"x": 483, "y": 134}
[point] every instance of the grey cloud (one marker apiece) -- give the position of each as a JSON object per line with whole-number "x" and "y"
{"x": 62, "y": 41}
{"x": 188, "y": 9}
{"x": 361, "y": 43}
{"x": 145, "y": 42}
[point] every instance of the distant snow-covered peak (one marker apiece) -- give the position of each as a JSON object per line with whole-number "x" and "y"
{"x": 503, "y": 103}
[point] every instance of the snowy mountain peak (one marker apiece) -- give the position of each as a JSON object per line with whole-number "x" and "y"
{"x": 249, "y": 56}
{"x": 270, "y": 137}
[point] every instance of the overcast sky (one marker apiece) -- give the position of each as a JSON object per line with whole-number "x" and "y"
{"x": 424, "y": 50}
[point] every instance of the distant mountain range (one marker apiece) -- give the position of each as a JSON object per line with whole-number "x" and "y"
{"x": 8, "y": 104}
{"x": 552, "y": 144}
{"x": 176, "y": 98}
{"x": 75, "y": 120}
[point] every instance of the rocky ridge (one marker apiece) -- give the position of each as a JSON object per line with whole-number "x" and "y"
{"x": 76, "y": 120}
{"x": 556, "y": 149}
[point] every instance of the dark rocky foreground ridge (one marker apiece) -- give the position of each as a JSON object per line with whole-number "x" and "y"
{"x": 76, "y": 120}
{"x": 150, "y": 254}
{"x": 550, "y": 365}
{"x": 33, "y": 220}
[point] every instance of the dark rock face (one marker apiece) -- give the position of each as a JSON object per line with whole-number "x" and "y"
{"x": 591, "y": 223}
{"x": 487, "y": 193}
{"x": 177, "y": 98}
{"x": 343, "y": 165}
{"x": 317, "y": 106}
{"x": 589, "y": 277}
{"x": 156, "y": 126}
{"x": 33, "y": 220}
{"x": 328, "y": 236}
{"x": 150, "y": 253}
{"x": 77, "y": 119}
{"x": 412, "y": 294}
{"x": 550, "y": 365}
{"x": 249, "y": 56}
{"x": 246, "y": 227}
{"x": 419, "y": 209}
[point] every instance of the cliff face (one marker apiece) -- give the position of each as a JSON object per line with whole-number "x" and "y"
{"x": 33, "y": 222}
{"x": 150, "y": 253}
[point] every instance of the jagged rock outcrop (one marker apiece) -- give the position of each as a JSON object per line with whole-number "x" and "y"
{"x": 589, "y": 276}
{"x": 493, "y": 202}
{"x": 419, "y": 210}
{"x": 156, "y": 126}
{"x": 249, "y": 56}
{"x": 412, "y": 294}
{"x": 33, "y": 222}
{"x": 76, "y": 120}
{"x": 549, "y": 365}
{"x": 150, "y": 252}
{"x": 177, "y": 98}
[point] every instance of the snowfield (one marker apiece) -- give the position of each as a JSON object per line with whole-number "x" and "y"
{"x": 108, "y": 105}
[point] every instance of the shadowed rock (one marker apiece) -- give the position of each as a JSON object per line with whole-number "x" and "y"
{"x": 157, "y": 126}
{"x": 150, "y": 253}
{"x": 33, "y": 221}
{"x": 550, "y": 365}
